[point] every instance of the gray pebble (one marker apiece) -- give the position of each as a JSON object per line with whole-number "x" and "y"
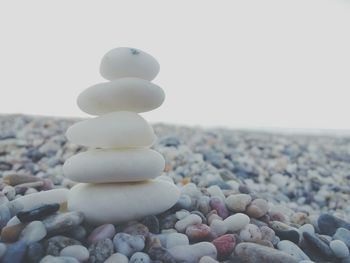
{"x": 339, "y": 248}
{"x": 140, "y": 257}
{"x": 100, "y": 251}
{"x": 128, "y": 244}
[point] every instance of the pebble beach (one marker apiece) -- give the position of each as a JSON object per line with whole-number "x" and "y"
{"x": 246, "y": 196}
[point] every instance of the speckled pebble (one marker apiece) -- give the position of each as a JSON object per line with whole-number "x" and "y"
{"x": 128, "y": 244}
{"x": 198, "y": 232}
{"x": 250, "y": 233}
{"x": 100, "y": 251}
{"x": 140, "y": 257}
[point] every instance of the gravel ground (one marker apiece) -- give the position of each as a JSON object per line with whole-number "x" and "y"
{"x": 246, "y": 197}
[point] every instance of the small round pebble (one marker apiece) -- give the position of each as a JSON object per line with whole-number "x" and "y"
{"x": 236, "y": 222}
{"x": 257, "y": 208}
{"x": 140, "y": 257}
{"x": 339, "y": 248}
{"x": 33, "y": 232}
{"x": 238, "y": 202}
{"x": 191, "y": 219}
{"x": 76, "y": 251}
{"x": 102, "y": 232}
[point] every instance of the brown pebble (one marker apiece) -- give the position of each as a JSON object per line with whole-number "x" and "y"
{"x": 16, "y": 179}
{"x": 10, "y": 234}
{"x": 258, "y": 208}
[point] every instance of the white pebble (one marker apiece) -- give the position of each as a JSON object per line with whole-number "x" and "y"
{"x": 207, "y": 259}
{"x": 128, "y": 62}
{"x": 13, "y": 221}
{"x": 76, "y": 251}
{"x": 238, "y": 202}
{"x": 215, "y": 190}
{"x": 189, "y": 220}
{"x": 33, "y": 232}
{"x": 236, "y": 222}
{"x": 307, "y": 228}
{"x": 117, "y": 258}
{"x": 219, "y": 227}
{"x": 339, "y": 248}
{"x": 140, "y": 257}
{"x": 193, "y": 253}
{"x": 176, "y": 239}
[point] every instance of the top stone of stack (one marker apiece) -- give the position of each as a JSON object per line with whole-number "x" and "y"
{"x": 130, "y": 71}
{"x": 128, "y": 62}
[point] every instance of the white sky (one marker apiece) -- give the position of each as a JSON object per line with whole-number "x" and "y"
{"x": 228, "y": 63}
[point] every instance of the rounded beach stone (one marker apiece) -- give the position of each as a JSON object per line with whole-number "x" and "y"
{"x": 292, "y": 249}
{"x": 28, "y": 202}
{"x": 140, "y": 257}
{"x": 225, "y": 245}
{"x": 76, "y": 251}
{"x": 191, "y": 219}
{"x": 102, "y": 232}
{"x": 121, "y": 129}
{"x": 193, "y": 253}
{"x": 236, "y": 222}
{"x": 238, "y": 202}
{"x": 33, "y": 232}
{"x": 105, "y": 166}
{"x": 126, "y": 94}
{"x": 339, "y": 248}
{"x": 117, "y": 258}
{"x": 257, "y": 208}
{"x": 121, "y": 202}
{"x": 128, "y": 62}
{"x": 128, "y": 244}
{"x": 176, "y": 239}
{"x": 250, "y": 233}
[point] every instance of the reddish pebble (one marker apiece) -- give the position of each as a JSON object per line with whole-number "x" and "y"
{"x": 101, "y": 233}
{"x": 198, "y": 232}
{"x": 219, "y": 205}
{"x": 225, "y": 245}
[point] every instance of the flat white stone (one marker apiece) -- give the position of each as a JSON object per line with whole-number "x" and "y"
{"x": 120, "y": 129}
{"x": 125, "y": 94}
{"x": 121, "y": 202}
{"x": 28, "y": 202}
{"x": 128, "y": 62}
{"x": 114, "y": 165}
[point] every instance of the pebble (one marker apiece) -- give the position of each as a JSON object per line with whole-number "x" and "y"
{"x": 184, "y": 202}
{"x": 217, "y": 203}
{"x": 317, "y": 245}
{"x": 15, "y": 252}
{"x": 63, "y": 222}
{"x": 15, "y": 179}
{"x": 225, "y": 245}
{"x": 52, "y": 259}
{"x": 191, "y": 219}
{"x": 102, "y": 232}
{"x": 193, "y": 253}
{"x": 35, "y": 252}
{"x": 176, "y": 239}
{"x": 328, "y": 224}
{"x": 292, "y": 249}
{"x": 128, "y": 244}
{"x": 254, "y": 253}
{"x": 2, "y": 249}
{"x": 152, "y": 223}
{"x": 33, "y": 232}
{"x": 125, "y": 94}
{"x": 37, "y": 213}
{"x": 9, "y": 192}
{"x": 257, "y": 208}
{"x": 291, "y": 235}
{"x": 339, "y": 248}
{"x": 236, "y": 222}
{"x": 117, "y": 258}
{"x": 306, "y": 228}
{"x": 343, "y": 235}
{"x": 267, "y": 233}
{"x": 238, "y": 202}
{"x": 198, "y": 232}
{"x": 75, "y": 251}
{"x": 136, "y": 229}
{"x": 215, "y": 190}
{"x": 100, "y": 251}
{"x": 128, "y": 62}
{"x": 140, "y": 257}
{"x": 219, "y": 227}
{"x": 55, "y": 244}
{"x": 5, "y": 215}
{"x": 250, "y": 233}
{"x": 11, "y": 233}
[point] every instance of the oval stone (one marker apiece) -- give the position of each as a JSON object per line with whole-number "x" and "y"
{"x": 122, "y": 129}
{"x": 128, "y": 62}
{"x": 126, "y": 94}
{"x": 121, "y": 202}
{"x": 105, "y": 166}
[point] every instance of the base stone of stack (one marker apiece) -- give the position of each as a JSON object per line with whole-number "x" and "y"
{"x": 122, "y": 202}
{"x": 114, "y": 165}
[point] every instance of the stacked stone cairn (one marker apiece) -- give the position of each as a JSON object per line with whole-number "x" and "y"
{"x": 118, "y": 174}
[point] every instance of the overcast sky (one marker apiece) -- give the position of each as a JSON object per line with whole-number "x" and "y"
{"x": 227, "y": 63}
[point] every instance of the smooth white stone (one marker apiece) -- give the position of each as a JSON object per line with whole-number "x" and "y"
{"x": 75, "y": 251}
{"x": 176, "y": 239}
{"x": 219, "y": 227}
{"x": 236, "y": 222}
{"x": 339, "y": 248}
{"x": 189, "y": 220}
{"x": 121, "y": 129}
{"x": 33, "y": 232}
{"x": 126, "y": 94}
{"x": 28, "y": 202}
{"x": 117, "y": 258}
{"x": 292, "y": 249}
{"x": 121, "y": 202}
{"x": 124, "y": 165}
{"x": 193, "y": 253}
{"x": 128, "y": 62}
